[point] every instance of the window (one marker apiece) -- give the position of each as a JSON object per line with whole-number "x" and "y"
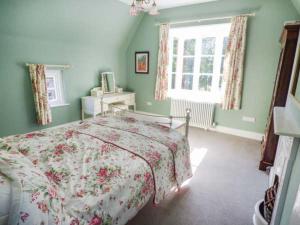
{"x": 197, "y": 62}
{"x": 54, "y": 84}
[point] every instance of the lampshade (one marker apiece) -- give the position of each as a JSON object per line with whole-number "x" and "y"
{"x": 139, "y": 6}
{"x": 153, "y": 10}
{"x": 133, "y": 10}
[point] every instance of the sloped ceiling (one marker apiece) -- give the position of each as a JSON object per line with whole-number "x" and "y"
{"x": 164, "y": 4}
{"x": 97, "y": 22}
{"x": 296, "y": 4}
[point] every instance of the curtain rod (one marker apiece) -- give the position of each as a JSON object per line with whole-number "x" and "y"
{"x": 205, "y": 19}
{"x": 66, "y": 66}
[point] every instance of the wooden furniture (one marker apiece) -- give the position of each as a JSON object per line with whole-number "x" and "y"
{"x": 289, "y": 40}
{"x": 94, "y": 105}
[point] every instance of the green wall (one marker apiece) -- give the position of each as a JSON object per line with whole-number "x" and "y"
{"x": 296, "y": 4}
{"x": 91, "y": 36}
{"x": 293, "y": 188}
{"x": 261, "y": 58}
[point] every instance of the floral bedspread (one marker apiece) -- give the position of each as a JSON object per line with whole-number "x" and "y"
{"x": 100, "y": 171}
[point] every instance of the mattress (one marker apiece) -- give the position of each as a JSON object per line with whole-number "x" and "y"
{"x": 100, "y": 171}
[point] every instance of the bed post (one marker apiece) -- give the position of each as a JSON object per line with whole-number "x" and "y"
{"x": 171, "y": 121}
{"x": 102, "y": 108}
{"x": 187, "y": 122}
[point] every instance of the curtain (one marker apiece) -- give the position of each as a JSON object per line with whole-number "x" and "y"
{"x": 161, "y": 87}
{"x": 234, "y": 63}
{"x": 39, "y": 87}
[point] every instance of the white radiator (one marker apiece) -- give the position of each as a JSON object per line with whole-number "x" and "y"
{"x": 202, "y": 113}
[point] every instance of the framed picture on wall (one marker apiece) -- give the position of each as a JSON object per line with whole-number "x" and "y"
{"x": 142, "y": 62}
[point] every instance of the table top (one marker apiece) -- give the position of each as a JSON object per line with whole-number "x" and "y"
{"x": 112, "y": 95}
{"x": 116, "y": 94}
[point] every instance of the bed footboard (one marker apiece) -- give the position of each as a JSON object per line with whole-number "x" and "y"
{"x": 174, "y": 122}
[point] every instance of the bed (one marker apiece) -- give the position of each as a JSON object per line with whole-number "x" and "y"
{"x": 98, "y": 171}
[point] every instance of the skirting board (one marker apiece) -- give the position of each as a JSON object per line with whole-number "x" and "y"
{"x": 228, "y": 130}
{"x": 237, "y": 132}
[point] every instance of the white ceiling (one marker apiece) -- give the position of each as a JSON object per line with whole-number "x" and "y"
{"x": 163, "y": 4}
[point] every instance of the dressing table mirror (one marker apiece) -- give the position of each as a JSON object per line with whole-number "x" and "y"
{"x": 108, "y": 82}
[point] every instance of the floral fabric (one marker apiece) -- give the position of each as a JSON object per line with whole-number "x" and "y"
{"x": 234, "y": 63}
{"x": 161, "y": 87}
{"x": 100, "y": 171}
{"x": 39, "y": 87}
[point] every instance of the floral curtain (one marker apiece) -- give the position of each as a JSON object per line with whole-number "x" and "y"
{"x": 161, "y": 87}
{"x": 39, "y": 87}
{"x": 234, "y": 63}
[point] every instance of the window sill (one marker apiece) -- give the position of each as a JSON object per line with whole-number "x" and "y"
{"x": 60, "y": 105}
{"x": 197, "y": 99}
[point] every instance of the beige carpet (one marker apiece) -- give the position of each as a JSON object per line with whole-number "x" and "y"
{"x": 224, "y": 189}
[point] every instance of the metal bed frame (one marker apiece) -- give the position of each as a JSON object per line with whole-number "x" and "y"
{"x": 187, "y": 117}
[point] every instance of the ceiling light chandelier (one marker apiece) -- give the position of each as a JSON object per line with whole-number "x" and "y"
{"x": 139, "y": 6}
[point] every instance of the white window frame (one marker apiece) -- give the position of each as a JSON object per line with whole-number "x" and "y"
{"x": 220, "y": 31}
{"x": 57, "y": 75}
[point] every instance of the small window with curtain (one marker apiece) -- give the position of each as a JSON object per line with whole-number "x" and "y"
{"x": 196, "y": 66}
{"x": 55, "y": 87}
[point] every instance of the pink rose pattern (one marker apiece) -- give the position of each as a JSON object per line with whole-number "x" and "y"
{"x": 24, "y": 216}
{"x": 96, "y": 220}
{"x": 108, "y": 167}
{"x": 158, "y": 133}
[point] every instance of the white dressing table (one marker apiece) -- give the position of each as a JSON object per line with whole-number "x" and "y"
{"x": 107, "y": 96}
{"x": 127, "y": 98}
{"x": 93, "y": 105}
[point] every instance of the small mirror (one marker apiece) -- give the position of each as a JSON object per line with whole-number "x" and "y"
{"x": 108, "y": 82}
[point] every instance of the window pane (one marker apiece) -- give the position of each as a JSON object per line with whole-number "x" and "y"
{"x": 225, "y": 42}
{"x": 189, "y": 47}
{"x": 205, "y": 83}
{"x": 51, "y": 95}
{"x": 174, "y": 64}
{"x": 187, "y": 82}
{"x": 173, "y": 80}
{"x": 188, "y": 65}
{"x": 207, "y": 65}
{"x": 208, "y": 46}
{"x": 175, "y": 46}
{"x": 222, "y": 65}
{"x": 221, "y": 82}
{"x": 50, "y": 82}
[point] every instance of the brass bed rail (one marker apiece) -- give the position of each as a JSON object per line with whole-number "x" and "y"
{"x": 171, "y": 118}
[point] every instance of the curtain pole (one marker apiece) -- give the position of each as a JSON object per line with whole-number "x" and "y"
{"x": 204, "y": 19}
{"x": 54, "y": 66}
